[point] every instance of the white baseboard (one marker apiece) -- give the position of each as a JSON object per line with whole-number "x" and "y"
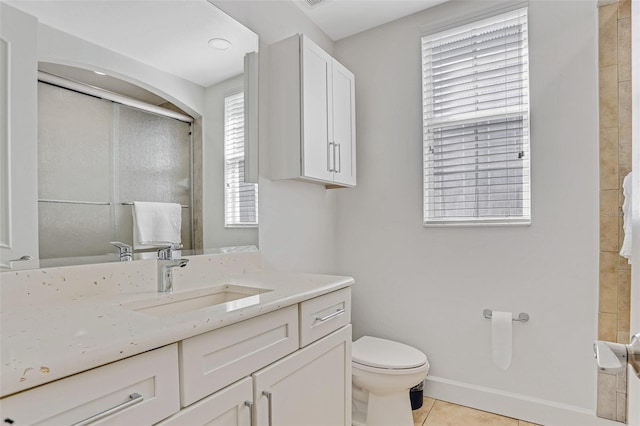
{"x": 514, "y": 405}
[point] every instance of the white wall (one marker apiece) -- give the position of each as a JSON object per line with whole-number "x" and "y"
{"x": 428, "y": 286}
{"x": 215, "y": 234}
{"x": 297, "y": 220}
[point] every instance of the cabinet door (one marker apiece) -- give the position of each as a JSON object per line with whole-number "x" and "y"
{"x": 310, "y": 387}
{"x": 344, "y": 124}
{"x": 317, "y": 154}
{"x": 229, "y": 407}
{"x": 18, "y": 139}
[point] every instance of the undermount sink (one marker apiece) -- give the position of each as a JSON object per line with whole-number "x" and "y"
{"x": 233, "y": 296}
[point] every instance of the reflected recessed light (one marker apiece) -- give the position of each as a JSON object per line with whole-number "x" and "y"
{"x": 220, "y": 43}
{"x": 100, "y": 73}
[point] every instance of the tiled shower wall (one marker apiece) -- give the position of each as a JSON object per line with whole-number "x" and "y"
{"x": 615, "y": 162}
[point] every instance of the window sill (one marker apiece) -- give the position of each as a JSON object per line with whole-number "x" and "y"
{"x": 474, "y": 224}
{"x": 241, "y": 226}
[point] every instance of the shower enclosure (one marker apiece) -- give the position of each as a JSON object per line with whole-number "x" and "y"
{"x": 95, "y": 158}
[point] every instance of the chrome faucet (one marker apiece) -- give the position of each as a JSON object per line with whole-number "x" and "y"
{"x": 124, "y": 250}
{"x": 166, "y": 265}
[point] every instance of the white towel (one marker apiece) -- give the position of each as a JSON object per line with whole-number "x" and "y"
{"x": 156, "y": 224}
{"x": 625, "y": 250}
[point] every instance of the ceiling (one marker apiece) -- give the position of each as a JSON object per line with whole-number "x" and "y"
{"x": 171, "y": 35}
{"x": 342, "y": 18}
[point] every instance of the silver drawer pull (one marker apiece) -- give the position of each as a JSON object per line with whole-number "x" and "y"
{"x": 134, "y": 399}
{"x": 269, "y": 396}
{"x": 328, "y": 317}
{"x": 249, "y": 404}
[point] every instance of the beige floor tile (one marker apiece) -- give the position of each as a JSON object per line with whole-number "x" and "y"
{"x": 523, "y": 423}
{"x": 446, "y": 414}
{"x": 420, "y": 415}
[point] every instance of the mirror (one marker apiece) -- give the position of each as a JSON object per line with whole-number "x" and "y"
{"x": 186, "y": 56}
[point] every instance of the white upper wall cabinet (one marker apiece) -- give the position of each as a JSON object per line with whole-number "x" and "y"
{"x": 312, "y": 107}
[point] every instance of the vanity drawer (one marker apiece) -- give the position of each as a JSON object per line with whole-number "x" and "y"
{"x": 213, "y": 360}
{"x": 139, "y": 390}
{"x": 324, "y": 314}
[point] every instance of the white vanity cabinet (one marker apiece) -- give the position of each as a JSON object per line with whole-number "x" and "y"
{"x": 312, "y": 114}
{"x": 291, "y": 366}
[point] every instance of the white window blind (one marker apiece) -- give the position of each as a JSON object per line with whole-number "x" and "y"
{"x": 241, "y": 199}
{"x": 476, "y": 122}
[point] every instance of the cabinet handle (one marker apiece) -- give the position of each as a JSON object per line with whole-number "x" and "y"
{"x": 250, "y": 405}
{"x": 328, "y": 317}
{"x": 270, "y": 402}
{"x": 331, "y": 155}
{"x": 338, "y": 164}
{"x": 134, "y": 399}
{"x": 23, "y": 258}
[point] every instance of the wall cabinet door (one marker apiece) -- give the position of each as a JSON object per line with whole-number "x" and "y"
{"x": 344, "y": 124}
{"x": 229, "y": 407}
{"x": 328, "y": 117}
{"x": 317, "y": 154}
{"x": 310, "y": 387}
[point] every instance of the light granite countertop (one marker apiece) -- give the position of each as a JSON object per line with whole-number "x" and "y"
{"x": 53, "y": 326}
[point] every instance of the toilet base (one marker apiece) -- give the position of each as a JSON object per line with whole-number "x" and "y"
{"x": 368, "y": 409}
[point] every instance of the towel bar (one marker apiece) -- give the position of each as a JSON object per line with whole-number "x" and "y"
{"x": 522, "y": 316}
{"x": 130, "y": 204}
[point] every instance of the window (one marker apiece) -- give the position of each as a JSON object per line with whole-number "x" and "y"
{"x": 476, "y": 122}
{"x": 240, "y": 198}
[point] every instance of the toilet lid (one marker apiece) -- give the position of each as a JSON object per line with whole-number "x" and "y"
{"x": 382, "y": 353}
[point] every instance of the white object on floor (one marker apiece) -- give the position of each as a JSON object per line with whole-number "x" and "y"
{"x": 156, "y": 224}
{"x": 383, "y": 372}
{"x": 625, "y": 250}
{"x": 501, "y": 338}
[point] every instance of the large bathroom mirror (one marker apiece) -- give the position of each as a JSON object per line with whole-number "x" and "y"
{"x": 142, "y": 100}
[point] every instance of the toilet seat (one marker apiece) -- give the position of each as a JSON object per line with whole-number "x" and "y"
{"x": 374, "y": 354}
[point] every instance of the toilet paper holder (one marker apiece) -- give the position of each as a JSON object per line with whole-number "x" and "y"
{"x": 522, "y": 316}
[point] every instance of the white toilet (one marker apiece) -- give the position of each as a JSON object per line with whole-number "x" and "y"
{"x": 383, "y": 372}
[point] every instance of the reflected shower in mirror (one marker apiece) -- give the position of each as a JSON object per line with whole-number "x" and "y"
{"x": 98, "y": 155}
{"x": 131, "y": 154}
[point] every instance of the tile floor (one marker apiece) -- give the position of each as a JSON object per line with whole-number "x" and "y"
{"x": 440, "y": 413}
